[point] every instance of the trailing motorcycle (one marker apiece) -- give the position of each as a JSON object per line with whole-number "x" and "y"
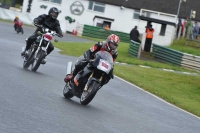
{"x": 19, "y": 28}
{"x": 38, "y": 49}
{"x": 89, "y": 80}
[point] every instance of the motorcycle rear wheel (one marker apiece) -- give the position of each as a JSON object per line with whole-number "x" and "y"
{"x": 36, "y": 63}
{"x": 67, "y": 94}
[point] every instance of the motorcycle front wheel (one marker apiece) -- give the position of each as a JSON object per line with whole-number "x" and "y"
{"x": 88, "y": 95}
{"x": 28, "y": 58}
{"x": 36, "y": 63}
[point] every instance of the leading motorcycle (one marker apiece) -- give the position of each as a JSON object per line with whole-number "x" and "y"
{"x": 38, "y": 49}
{"x": 89, "y": 80}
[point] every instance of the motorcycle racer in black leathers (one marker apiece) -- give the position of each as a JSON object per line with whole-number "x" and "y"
{"x": 48, "y": 21}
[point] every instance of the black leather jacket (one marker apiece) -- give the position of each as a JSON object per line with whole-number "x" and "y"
{"x": 48, "y": 22}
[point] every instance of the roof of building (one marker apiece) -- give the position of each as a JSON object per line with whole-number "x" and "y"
{"x": 157, "y": 21}
{"x": 166, "y": 6}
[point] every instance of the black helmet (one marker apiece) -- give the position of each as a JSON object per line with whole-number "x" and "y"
{"x": 53, "y": 12}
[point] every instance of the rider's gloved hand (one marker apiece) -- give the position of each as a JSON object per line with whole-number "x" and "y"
{"x": 61, "y": 35}
{"x": 87, "y": 60}
{"x": 38, "y": 25}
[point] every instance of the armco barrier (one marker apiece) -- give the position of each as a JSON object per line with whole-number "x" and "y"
{"x": 134, "y": 49}
{"x": 176, "y": 57}
{"x": 97, "y": 32}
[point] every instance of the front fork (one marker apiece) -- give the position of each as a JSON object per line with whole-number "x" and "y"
{"x": 90, "y": 79}
{"x": 43, "y": 48}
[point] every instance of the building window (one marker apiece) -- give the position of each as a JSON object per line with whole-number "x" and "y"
{"x": 96, "y": 6}
{"x": 136, "y": 14}
{"x": 54, "y": 1}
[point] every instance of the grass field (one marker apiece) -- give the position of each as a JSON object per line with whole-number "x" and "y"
{"x": 191, "y": 48}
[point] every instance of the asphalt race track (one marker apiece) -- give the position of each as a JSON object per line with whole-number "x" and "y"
{"x": 32, "y": 102}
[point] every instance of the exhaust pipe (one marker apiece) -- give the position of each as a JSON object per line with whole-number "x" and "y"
{"x": 69, "y": 68}
{"x": 23, "y": 48}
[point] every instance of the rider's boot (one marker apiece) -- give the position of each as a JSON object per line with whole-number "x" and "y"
{"x": 69, "y": 77}
{"x": 43, "y": 61}
{"x": 25, "y": 52}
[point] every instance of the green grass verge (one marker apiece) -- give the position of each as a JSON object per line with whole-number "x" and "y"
{"x": 179, "y": 89}
{"x": 9, "y": 21}
{"x": 191, "y": 48}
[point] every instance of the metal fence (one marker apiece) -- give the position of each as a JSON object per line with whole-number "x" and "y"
{"x": 134, "y": 49}
{"x": 101, "y": 33}
{"x": 175, "y": 57}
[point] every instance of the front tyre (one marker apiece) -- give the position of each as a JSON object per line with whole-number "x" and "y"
{"x": 67, "y": 94}
{"x": 88, "y": 95}
{"x": 28, "y": 57}
{"x": 36, "y": 63}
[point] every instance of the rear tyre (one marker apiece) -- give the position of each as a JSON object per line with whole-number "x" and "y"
{"x": 22, "y": 31}
{"x": 67, "y": 94}
{"x": 37, "y": 61}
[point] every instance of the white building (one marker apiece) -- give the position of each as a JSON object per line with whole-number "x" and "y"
{"x": 99, "y": 14}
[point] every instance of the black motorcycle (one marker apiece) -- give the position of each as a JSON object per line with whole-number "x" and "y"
{"x": 38, "y": 49}
{"x": 89, "y": 80}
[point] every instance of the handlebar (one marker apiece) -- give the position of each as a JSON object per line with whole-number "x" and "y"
{"x": 90, "y": 61}
{"x": 46, "y": 30}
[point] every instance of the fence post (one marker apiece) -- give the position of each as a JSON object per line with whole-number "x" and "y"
{"x": 184, "y": 31}
{"x": 135, "y": 49}
{"x": 139, "y": 50}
